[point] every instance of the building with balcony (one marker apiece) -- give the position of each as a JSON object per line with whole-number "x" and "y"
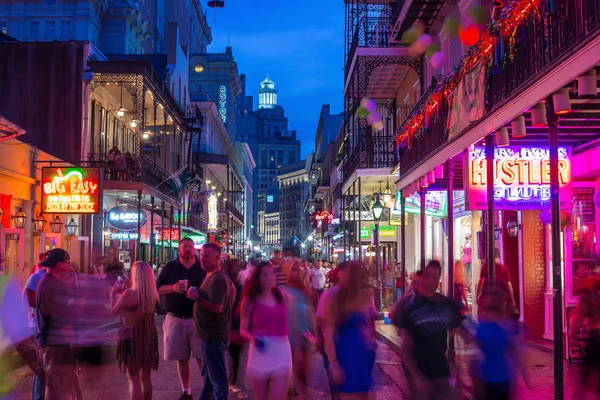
{"x": 538, "y": 104}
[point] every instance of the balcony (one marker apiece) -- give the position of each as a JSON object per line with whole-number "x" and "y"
{"x": 197, "y": 223}
{"x": 371, "y": 153}
{"x": 371, "y": 32}
{"x": 228, "y": 206}
{"x": 543, "y": 44}
{"x": 407, "y": 12}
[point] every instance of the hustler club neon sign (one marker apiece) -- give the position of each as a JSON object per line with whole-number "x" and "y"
{"x": 521, "y": 178}
{"x": 71, "y": 190}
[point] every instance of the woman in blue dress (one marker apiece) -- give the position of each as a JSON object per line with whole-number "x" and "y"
{"x": 350, "y": 334}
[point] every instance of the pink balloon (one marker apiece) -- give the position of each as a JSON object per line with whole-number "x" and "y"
{"x": 438, "y": 59}
{"x": 424, "y": 41}
{"x": 545, "y": 217}
{"x": 370, "y": 105}
{"x": 374, "y": 117}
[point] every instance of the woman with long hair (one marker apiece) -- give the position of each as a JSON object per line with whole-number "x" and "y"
{"x": 265, "y": 325}
{"x": 137, "y": 349}
{"x": 302, "y": 324}
{"x": 350, "y": 334}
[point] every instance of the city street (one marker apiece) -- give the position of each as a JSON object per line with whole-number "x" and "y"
{"x": 108, "y": 383}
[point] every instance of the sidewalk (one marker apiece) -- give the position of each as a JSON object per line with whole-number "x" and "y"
{"x": 539, "y": 363}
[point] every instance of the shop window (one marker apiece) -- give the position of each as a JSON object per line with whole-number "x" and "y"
{"x": 583, "y": 252}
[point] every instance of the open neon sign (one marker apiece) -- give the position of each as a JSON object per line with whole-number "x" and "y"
{"x": 71, "y": 190}
{"x": 521, "y": 178}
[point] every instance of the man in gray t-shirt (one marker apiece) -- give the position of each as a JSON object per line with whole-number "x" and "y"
{"x": 212, "y": 318}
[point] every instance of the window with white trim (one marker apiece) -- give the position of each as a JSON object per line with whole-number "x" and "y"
{"x": 34, "y": 29}
{"x": 50, "y": 29}
{"x": 66, "y": 29}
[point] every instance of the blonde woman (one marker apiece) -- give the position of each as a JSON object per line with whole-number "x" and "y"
{"x": 137, "y": 350}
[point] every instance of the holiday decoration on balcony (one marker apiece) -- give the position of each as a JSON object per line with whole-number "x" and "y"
{"x": 489, "y": 47}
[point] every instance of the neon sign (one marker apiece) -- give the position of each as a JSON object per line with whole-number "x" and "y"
{"x": 324, "y": 216}
{"x": 436, "y": 204}
{"x": 71, "y": 190}
{"x": 125, "y": 217}
{"x": 521, "y": 178}
{"x": 169, "y": 235}
{"x": 124, "y": 236}
{"x": 213, "y": 212}
{"x": 223, "y": 102}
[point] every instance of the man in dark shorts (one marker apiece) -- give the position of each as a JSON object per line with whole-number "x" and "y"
{"x": 178, "y": 327}
{"x": 424, "y": 322}
{"x": 212, "y": 317}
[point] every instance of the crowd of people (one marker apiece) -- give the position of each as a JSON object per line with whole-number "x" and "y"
{"x": 283, "y": 309}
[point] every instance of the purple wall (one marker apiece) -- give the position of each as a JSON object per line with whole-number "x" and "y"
{"x": 41, "y": 91}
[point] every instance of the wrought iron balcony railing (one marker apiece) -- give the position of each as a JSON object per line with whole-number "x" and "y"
{"x": 371, "y": 152}
{"x": 543, "y": 43}
{"x": 196, "y": 222}
{"x": 229, "y": 206}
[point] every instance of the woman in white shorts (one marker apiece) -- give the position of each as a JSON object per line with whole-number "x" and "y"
{"x": 265, "y": 324}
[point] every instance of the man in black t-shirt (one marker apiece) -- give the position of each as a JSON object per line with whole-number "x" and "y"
{"x": 424, "y": 322}
{"x": 178, "y": 327}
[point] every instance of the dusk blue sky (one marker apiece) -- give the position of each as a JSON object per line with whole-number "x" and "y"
{"x": 300, "y": 44}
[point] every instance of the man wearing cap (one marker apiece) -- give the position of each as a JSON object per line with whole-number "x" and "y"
{"x": 52, "y": 318}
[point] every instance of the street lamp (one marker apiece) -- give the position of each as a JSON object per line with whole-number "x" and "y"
{"x": 39, "y": 223}
{"x": 377, "y": 210}
{"x": 20, "y": 219}
{"x": 310, "y": 238}
{"x": 513, "y": 227}
{"x": 71, "y": 228}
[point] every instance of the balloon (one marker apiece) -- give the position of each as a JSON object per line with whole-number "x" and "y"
{"x": 597, "y": 198}
{"x": 431, "y": 50}
{"x": 424, "y": 41}
{"x": 477, "y": 15}
{"x": 378, "y": 125}
{"x": 370, "y": 105}
{"x": 545, "y": 217}
{"x": 374, "y": 117}
{"x": 415, "y": 50}
{"x": 469, "y": 36}
{"x": 410, "y": 36}
{"x": 438, "y": 60}
{"x": 451, "y": 26}
{"x": 362, "y": 112}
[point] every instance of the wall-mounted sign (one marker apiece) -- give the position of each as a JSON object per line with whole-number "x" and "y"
{"x": 354, "y": 215}
{"x": 436, "y": 204}
{"x": 324, "y": 216}
{"x": 223, "y": 102}
{"x": 213, "y": 212}
{"x": 124, "y": 236}
{"x": 169, "y": 235}
{"x": 270, "y": 198}
{"x": 125, "y": 217}
{"x": 521, "y": 178}
{"x": 198, "y": 238}
{"x": 387, "y": 233}
{"x": 71, "y": 190}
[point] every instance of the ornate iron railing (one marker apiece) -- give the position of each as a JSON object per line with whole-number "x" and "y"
{"x": 195, "y": 222}
{"x": 371, "y": 31}
{"x": 371, "y": 152}
{"x": 541, "y": 44}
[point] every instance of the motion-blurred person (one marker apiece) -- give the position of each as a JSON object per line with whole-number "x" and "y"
{"x": 29, "y": 295}
{"x": 323, "y": 308}
{"x": 502, "y": 281}
{"x": 302, "y": 326}
{"x": 588, "y": 307}
{"x": 53, "y": 301}
{"x": 137, "y": 348}
{"x": 388, "y": 286}
{"x": 424, "y": 323}
{"x": 17, "y": 344}
{"x": 317, "y": 279}
{"x": 496, "y": 337}
{"x": 212, "y": 322}
{"x": 350, "y": 334}
{"x": 236, "y": 342}
{"x": 265, "y": 325}
{"x": 460, "y": 290}
{"x": 180, "y": 341}
{"x": 245, "y": 274}
{"x": 415, "y": 283}
{"x": 100, "y": 267}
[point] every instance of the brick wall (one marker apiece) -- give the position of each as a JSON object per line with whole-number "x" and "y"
{"x": 534, "y": 274}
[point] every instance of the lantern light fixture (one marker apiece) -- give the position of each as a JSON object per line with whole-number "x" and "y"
{"x": 56, "y": 225}
{"x": 513, "y": 228}
{"x": 439, "y": 172}
{"x": 39, "y": 223}
{"x": 20, "y": 217}
{"x": 538, "y": 115}
{"x": 71, "y": 228}
{"x": 121, "y": 110}
{"x": 133, "y": 123}
{"x": 561, "y": 101}
{"x": 431, "y": 177}
{"x": 518, "y": 127}
{"x": 502, "y": 139}
{"x": 423, "y": 183}
{"x": 587, "y": 84}
{"x": 387, "y": 194}
{"x": 377, "y": 208}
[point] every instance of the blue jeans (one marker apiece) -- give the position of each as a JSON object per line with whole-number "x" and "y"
{"x": 214, "y": 371}
{"x": 38, "y": 391}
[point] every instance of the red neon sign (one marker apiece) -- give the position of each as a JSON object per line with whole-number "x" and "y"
{"x": 71, "y": 190}
{"x": 324, "y": 215}
{"x": 170, "y": 234}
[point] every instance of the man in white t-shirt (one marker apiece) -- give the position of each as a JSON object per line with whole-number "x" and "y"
{"x": 317, "y": 277}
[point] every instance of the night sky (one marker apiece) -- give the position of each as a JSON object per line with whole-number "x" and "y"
{"x": 300, "y": 44}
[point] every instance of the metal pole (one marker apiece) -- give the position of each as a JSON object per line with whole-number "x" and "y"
{"x": 556, "y": 245}
{"x": 403, "y": 241}
{"x": 162, "y": 231}
{"x": 152, "y": 248}
{"x": 491, "y": 245}
{"x": 378, "y": 269}
{"x": 422, "y": 233}
{"x": 357, "y": 237}
{"x": 171, "y": 233}
{"x": 139, "y": 227}
{"x": 450, "y": 229}
{"x": 359, "y": 222}
{"x": 345, "y": 213}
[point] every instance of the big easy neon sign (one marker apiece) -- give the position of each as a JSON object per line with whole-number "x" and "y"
{"x": 71, "y": 190}
{"x": 521, "y": 178}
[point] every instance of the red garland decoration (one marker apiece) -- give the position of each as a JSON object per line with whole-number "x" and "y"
{"x": 511, "y": 17}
